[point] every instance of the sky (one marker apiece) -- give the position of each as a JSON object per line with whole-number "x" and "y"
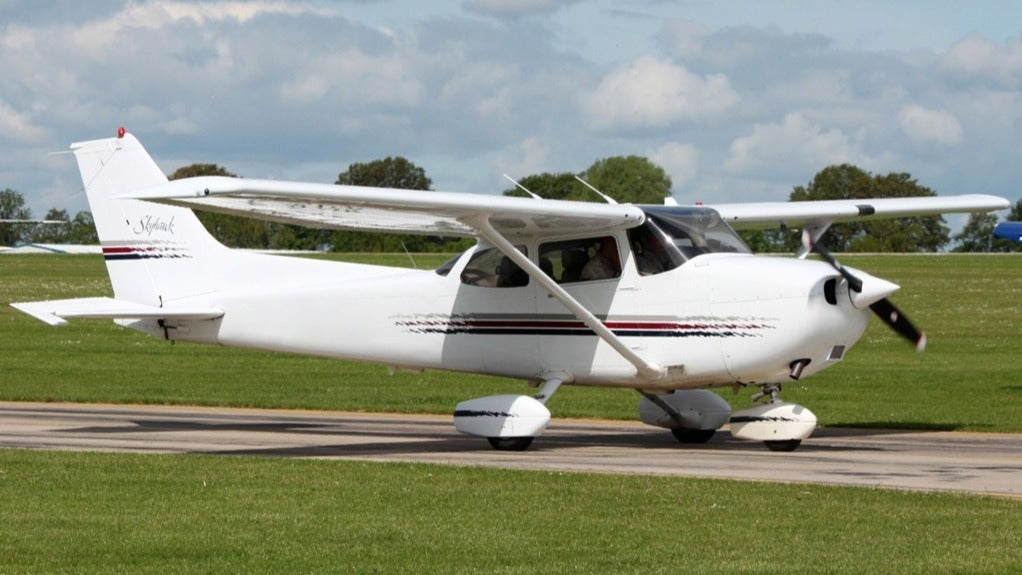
{"x": 737, "y": 100}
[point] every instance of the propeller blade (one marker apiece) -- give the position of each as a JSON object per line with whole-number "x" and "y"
{"x": 854, "y": 283}
{"x": 893, "y": 317}
{"x": 883, "y": 308}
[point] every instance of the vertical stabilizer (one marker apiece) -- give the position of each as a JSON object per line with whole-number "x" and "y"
{"x": 155, "y": 254}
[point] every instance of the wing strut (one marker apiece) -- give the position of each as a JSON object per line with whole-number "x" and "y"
{"x": 646, "y": 369}
{"x": 811, "y": 232}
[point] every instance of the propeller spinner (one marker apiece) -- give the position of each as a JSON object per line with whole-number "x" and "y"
{"x": 873, "y": 292}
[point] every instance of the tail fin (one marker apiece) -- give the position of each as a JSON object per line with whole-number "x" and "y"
{"x": 155, "y": 254}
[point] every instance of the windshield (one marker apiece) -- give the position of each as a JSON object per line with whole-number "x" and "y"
{"x": 696, "y": 231}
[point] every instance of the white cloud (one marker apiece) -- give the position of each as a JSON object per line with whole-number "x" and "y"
{"x": 679, "y": 160}
{"x": 532, "y": 157}
{"x": 653, "y": 93}
{"x": 268, "y": 86}
{"x": 16, "y": 127}
{"x": 99, "y": 35}
{"x": 383, "y": 78}
{"x": 794, "y": 144}
{"x": 684, "y": 37}
{"x": 976, "y": 57}
{"x": 933, "y": 126}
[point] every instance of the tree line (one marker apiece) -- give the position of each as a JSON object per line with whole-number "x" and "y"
{"x": 626, "y": 179}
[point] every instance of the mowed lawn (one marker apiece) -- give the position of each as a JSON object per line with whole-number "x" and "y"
{"x": 969, "y": 378}
{"x": 124, "y": 513}
{"x": 129, "y": 513}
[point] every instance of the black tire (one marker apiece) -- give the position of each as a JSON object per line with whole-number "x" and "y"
{"x": 693, "y": 435}
{"x": 783, "y": 445}
{"x": 510, "y": 443}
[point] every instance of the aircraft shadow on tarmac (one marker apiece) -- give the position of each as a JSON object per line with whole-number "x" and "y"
{"x": 440, "y": 438}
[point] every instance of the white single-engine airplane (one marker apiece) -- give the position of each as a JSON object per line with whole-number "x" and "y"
{"x": 666, "y": 300}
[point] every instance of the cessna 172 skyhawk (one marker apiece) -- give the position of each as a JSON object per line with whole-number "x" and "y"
{"x": 666, "y": 300}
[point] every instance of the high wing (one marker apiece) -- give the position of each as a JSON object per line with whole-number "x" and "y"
{"x": 799, "y": 214}
{"x": 388, "y": 209}
{"x": 57, "y": 312}
{"x": 445, "y": 213}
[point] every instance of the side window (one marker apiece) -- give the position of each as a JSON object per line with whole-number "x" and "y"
{"x": 653, "y": 255}
{"x": 583, "y": 259}
{"x": 491, "y": 268}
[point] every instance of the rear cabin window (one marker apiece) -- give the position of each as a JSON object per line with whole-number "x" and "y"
{"x": 491, "y": 268}
{"x": 584, "y": 259}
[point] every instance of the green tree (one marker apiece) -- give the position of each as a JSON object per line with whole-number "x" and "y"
{"x": 390, "y": 172}
{"x": 53, "y": 233}
{"x": 770, "y": 241}
{"x": 562, "y": 186}
{"x": 1016, "y": 212}
{"x": 230, "y": 230}
{"x": 629, "y": 179}
{"x": 917, "y": 234}
{"x": 83, "y": 229}
{"x": 12, "y": 207}
{"x": 80, "y": 229}
{"x": 978, "y": 233}
{"x": 978, "y": 236}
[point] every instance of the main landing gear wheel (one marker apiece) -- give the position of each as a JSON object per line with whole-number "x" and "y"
{"x": 691, "y": 436}
{"x": 785, "y": 445}
{"x": 510, "y": 443}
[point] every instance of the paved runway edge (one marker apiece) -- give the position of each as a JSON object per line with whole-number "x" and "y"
{"x": 977, "y": 463}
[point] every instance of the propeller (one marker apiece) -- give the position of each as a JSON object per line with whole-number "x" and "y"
{"x": 881, "y": 306}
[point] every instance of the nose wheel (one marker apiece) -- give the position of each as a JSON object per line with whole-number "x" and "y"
{"x": 787, "y": 445}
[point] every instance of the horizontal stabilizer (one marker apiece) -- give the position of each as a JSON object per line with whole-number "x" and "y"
{"x": 58, "y": 311}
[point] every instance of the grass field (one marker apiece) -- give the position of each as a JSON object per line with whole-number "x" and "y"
{"x": 119, "y": 513}
{"x": 968, "y": 379}
{"x": 102, "y": 513}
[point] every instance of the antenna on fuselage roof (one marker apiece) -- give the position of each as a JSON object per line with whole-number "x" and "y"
{"x": 521, "y": 187}
{"x": 609, "y": 199}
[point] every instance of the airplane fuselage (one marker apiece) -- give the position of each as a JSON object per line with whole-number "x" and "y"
{"x": 715, "y": 320}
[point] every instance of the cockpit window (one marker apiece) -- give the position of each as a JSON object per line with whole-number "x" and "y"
{"x": 652, "y": 250}
{"x": 446, "y": 267}
{"x": 696, "y": 231}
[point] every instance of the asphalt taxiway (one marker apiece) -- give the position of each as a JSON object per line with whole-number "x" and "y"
{"x": 917, "y": 460}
